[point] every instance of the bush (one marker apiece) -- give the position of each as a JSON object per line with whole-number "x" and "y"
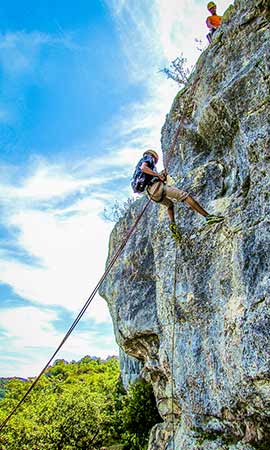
{"x": 178, "y": 70}
{"x": 117, "y": 210}
{"x": 140, "y": 414}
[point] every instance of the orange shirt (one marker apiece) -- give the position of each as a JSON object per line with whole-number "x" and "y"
{"x": 215, "y": 21}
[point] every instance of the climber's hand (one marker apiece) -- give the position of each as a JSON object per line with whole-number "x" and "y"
{"x": 163, "y": 175}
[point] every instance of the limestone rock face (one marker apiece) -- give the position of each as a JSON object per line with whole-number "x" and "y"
{"x": 196, "y": 315}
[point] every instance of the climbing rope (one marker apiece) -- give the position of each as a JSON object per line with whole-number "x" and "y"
{"x": 173, "y": 346}
{"x": 166, "y": 163}
{"x": 105, "y": 274}
{"x": 83, "y": 310}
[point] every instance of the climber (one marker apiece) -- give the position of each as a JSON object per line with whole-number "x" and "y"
{"x": 213, "y": 21}
{"x": 147, "y": 177}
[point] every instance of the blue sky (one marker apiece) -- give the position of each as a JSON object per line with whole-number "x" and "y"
{"x": 81, "y": 98}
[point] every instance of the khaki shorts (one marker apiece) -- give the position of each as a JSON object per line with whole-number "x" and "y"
{"x": 156, "y": 191}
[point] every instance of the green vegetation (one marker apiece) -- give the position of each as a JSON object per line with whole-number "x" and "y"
{"x": 79, "y": 405}
{"x": 3, "y": 382}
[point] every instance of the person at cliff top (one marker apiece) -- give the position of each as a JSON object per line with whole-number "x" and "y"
{"x": 213, "y": 21}
{"x": 147, "y": 177}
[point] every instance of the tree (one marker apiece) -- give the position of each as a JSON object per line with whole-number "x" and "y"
{"x": 178, "y": 70}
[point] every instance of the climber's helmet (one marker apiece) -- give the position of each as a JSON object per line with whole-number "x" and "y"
{"x": 152, "y": 153}
{"x": 211, "y": 5}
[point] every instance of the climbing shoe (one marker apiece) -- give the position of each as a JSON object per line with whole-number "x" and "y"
{"x": 210, "y": 219}
{"x": 175, "y": 232}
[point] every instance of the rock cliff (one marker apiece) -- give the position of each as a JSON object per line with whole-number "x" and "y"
{"x": 196, "y": 315}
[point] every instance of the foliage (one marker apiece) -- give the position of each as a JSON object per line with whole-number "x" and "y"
{"x": 117, "y": 210}
{"x": 139, "y": 415}
{"x": 178, "y": 70}
{"x": 3, "y": 382}
{"x": 78, "y": 405}
{"x": 199, "y": 44}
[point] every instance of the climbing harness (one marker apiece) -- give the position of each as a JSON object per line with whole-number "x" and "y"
{"x": 163, "y": 193}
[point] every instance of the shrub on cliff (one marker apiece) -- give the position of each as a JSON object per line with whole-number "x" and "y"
{"x": 140, "y": 414}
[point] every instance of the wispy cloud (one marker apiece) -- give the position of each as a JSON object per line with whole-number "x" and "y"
{"x": 59, "y": 247}
{"x": 29, "y": 347}
{"x": 58, "y": 236}
{"x": 152, "y": 35}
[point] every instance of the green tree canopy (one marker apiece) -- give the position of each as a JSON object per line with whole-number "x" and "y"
{"x": 78, "y": 405}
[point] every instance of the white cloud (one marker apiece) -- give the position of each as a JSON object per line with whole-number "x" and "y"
{"x": 49, "y": 182}
{"x": 15, "y": 322}
{"x": 71, "y": 250}
{"x": 152, "y": 35}
{"x": 30, "y": 333}
{"x": 68, "y": 246}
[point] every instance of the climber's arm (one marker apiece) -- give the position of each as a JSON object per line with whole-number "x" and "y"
{"x": 144, "y": 168}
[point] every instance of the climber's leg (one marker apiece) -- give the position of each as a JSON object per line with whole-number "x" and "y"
{"x": 210, "y": 218}
{"x": 176, "y": 194}
{"x": 196, "y": 206}
{"x": 209, "y": 37}
{"x": 183, "y": 196}
{"x": 170, "y": 209}
{"x": 158, "y": 195}
{"x": 171, "y": 212}
{"x": 173, "y": 227}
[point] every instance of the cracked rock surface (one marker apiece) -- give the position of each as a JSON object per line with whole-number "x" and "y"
{"x": 196, "y": 315}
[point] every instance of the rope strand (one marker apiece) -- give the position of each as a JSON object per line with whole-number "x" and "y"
{"x": 81, "y": 313}
{"x": 108, "y": 269}
{"x": 173, "y": 344}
